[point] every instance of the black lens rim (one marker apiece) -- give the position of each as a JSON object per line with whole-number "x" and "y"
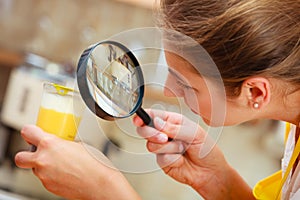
{"x": 83, "y": 85}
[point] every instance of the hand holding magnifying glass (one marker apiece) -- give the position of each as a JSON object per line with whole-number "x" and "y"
{"x": 111, "y": 82}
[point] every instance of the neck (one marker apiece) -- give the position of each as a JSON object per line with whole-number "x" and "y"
{"x": 290, "y": 111}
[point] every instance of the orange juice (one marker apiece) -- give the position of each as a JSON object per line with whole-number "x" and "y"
{"x": 63, "y": 125}
{"x": 60, "y": 111}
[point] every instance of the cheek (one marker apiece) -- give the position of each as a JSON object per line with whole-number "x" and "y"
{"x": 171, "y": 89}
{"x": 200, "y": 104}
{"x": 205, "y": 107}
{"x": 211, "y": 108}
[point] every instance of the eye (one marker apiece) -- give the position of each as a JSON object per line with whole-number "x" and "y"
{"x": 182, "y": 85}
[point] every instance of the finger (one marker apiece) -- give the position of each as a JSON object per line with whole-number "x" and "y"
{"x": 137, "y": 121}
{"x": 188, "y": 132}
{"x": 25, "y": 159}
{"x": 174, "y": 147}
{"x": 152, "y": 134}
{"x": 169, "y": 160}
{"x": 32, "y": 134}
{"x": 171, "y": 117}
{"x": 169, "y": 128}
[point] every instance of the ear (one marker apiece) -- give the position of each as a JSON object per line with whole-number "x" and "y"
{"x": 257, "y": 92}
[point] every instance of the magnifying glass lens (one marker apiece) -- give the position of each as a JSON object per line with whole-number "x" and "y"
{"x": 110, "y": 80}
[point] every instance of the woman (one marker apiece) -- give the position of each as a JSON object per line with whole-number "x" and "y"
{"x": 255, "y": 45}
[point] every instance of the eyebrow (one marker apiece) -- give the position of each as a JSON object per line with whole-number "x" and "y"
{"x": 175, "y": 74}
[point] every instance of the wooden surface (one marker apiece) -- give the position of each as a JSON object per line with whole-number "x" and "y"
{"x": 10, "y": 58}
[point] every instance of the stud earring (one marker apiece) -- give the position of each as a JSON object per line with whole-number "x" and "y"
{"x": 255, "y": 105}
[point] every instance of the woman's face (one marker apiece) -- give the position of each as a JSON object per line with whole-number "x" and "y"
{"x": 208, "y": 102}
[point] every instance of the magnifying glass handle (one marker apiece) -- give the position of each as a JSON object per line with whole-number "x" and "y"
{"x": 147, "y": 119}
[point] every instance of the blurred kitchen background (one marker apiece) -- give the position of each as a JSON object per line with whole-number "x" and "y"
{"x": 41, "y": 40}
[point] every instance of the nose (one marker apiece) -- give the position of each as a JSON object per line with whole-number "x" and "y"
{"x": 171, "y": 88}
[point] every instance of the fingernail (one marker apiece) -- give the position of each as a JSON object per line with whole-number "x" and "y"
{"x": 180, "y": 148}
{"x": 159, "y": 122}
{"x": 162, "y": 137}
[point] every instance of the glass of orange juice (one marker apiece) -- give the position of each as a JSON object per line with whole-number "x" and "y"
{"x": 60, "y": 111}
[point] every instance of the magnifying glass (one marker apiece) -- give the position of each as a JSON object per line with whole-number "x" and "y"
{"x": 111, "y": 82}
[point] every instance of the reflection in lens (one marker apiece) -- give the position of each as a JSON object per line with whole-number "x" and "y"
{"x": 112, "y": 80}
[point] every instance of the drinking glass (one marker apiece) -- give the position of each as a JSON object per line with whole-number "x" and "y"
{"x": 60, "y": 111}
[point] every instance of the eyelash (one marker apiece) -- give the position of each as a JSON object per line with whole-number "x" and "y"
{"x": 183, "y": 85}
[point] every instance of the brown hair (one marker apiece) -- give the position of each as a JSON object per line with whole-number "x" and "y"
{"x": 244, "y": 37}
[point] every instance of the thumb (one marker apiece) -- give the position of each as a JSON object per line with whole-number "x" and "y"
{"x": 24, "y": 159}
{"x": 159, "y": 123}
